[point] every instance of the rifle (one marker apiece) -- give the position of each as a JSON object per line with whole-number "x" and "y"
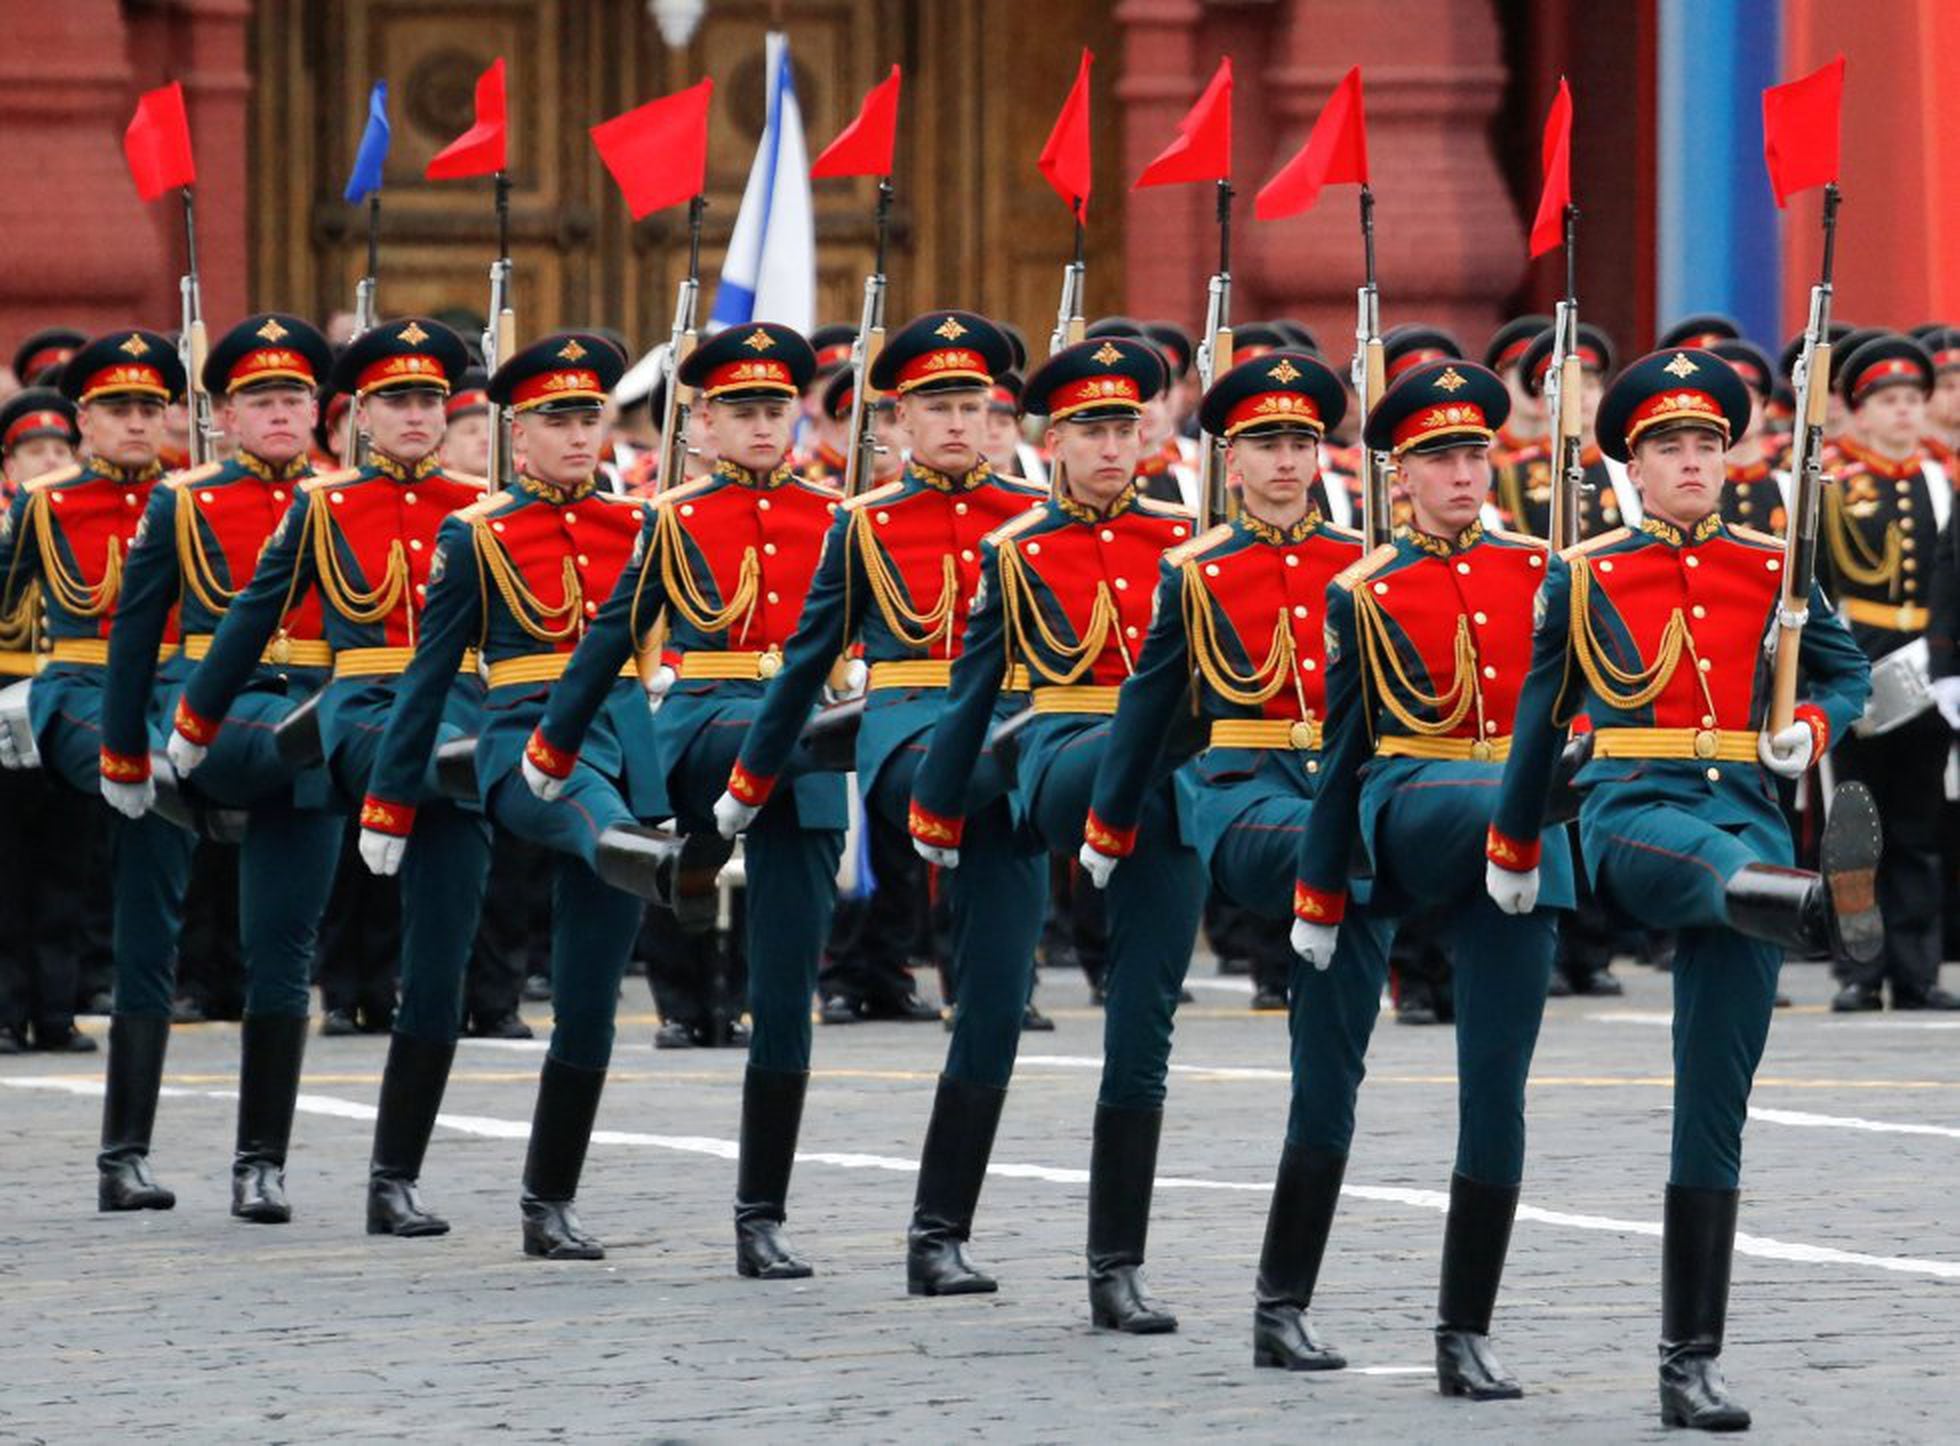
{"x": 1214, "y": 360}
{"x": 192, "y": 345}
{"x": 356, "y": 448}
{"x": 862, "y": 462}
{"x": 1562, "y": 386}
{"x": 1813, "y": 386}
{"x": 500, "y": 337}
{"x": 674, "y": 408}
{"x": 1069, "y": 324}
{"x": 1377, "y": 518}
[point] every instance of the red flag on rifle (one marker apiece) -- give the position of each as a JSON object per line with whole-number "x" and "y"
{"x": 658, "y": 152}
{"x": 1203, "y": 148}
{"x": 1065, "y": 156}
{"x": 158, "y": 142}
{"x": 1335, "y": 152}
{"x": 864, "y": 147}
{"x": 478, "y": 151}
{"x": 1548, "y": 227}
{"x": 1800, "y": 130}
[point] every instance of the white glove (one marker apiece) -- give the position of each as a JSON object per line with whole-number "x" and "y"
{"x": 1097, "y": 865}
{"x": 945, "y": 858}
{"x": 659, "y": 685}
{"x": 732, "y": 815}
{"x": 1787, "y": 754}
{"x": 541, "y": 783}
{"x": 382, "y": 852}
{"x": 1946, "y": 693}
{"x": 1314, "y": 942}
{"x": 184, "y": 755}
{"x": 1513, "y": 892}
{"x": 17, "y": 748}
{"x": 852, "y": 680}
{"x": 131, "y": 800}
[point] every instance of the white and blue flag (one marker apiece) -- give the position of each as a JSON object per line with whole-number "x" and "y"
{"x": 770, "y": 272}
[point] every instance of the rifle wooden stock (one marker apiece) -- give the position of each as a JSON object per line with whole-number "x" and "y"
{"x": 860, "y": 463}
{"x": 1800, "y": 541}
{"x": 1377, "y": 515}
{"x": 197, "y": 347}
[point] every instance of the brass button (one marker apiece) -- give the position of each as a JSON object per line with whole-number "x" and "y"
{"x": 1714, "y": 775}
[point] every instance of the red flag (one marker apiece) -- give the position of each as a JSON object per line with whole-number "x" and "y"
{"x": 658, "y": 152}
{"x": 1800, "y": 131}
{"x": 1065, "y": 156}
{"x": 1336, "y": 152}
{"x": 1548, "y": 227}
{"x": 158, "y": 142}
{"x": 479, "y": 150}
{"x": 864, "y": 147}
{"x": 1203, "y": 148}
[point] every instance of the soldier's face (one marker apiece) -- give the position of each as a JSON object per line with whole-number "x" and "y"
{"x": 1527, "y": 407}
{"x": 124, "y": 430}
{"x": 754, "y": 435}
{"x": 1275, "y": 470}
{"x": 1446, "y": 488}
{"x": 1098, "y": 458}
{"x": 946, "y": 428}
{"x": 406, "y": 425}
{"x": 466, "y": 443}
{"x": 1158, "y": 421}
{"x": 1003, "y": 436}
{"x": 1592, "y": 387}
{"x": 1680, "y": 474}
{"x": 1943, "y": 411}
{"x": 37, "y": 455}
{"x": 1893, "y": 419}
{"x": 561, "y": 448}
{"x": 272, "y": 422}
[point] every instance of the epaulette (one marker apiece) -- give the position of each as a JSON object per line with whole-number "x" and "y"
{"x": 819, "y": 485}
{"x": 686, "y": 489}
{"x": 193, "y": 474}
{"x": 621, "y": 499}
{"x": 486, "y": 506}
{"x": 1338, "y": 530}
{"x": 876, "y": 494}
{"x": 1204, "y": 542}
{"x": 1158, "y": 507}
{"x": 1367, "y": 567}
{"x": 52, "y": 479}
{"x": 1517, "y": 538}
{"x": 1014, "y": 527}
{"x": 1593, "y": 544}
{"x": 329, "y": 479}
{"x": 1019, "y": 484}
{"x": 467, "y": 479}
{"x": 1757, "y": 536}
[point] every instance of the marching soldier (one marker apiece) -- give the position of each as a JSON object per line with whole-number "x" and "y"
{"x": 1942, "y": 439}
{"x": 363, "y": 541}
{"x": 38, "y": 360}
{"x": 898, "y": 572}
{"x": 1883, "y": 526}
{"x": 1165, "y": 467}
{"x": 1524, "y": 489}
{"x": 518, "y": 577}
{"x": 466, "y": 426}
{"x": 727, "y": 561}
{"x": 201, "y": 536}
{"x": 1065, "y": 593}
{"x": 1428, "y": 641}
{"x": 1526, "y": 429}
{"x": 1657, "y": 635}
{"x": 68, "y": 534}
{"x": 1703, "y": 330}
{"x": 1234, "y": 651}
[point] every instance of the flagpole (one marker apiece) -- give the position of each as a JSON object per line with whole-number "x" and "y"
{"x": 203, "y": 433}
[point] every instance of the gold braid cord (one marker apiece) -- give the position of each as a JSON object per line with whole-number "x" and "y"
{"x": 195, "y": 560}
{"x": 17, "y": 627}
{"x": 684, "y": 594}
{"x": 530, "y": 612}
{"x": 1613, "y": 685}
{"x": 64, "y": 587}
{"x": 1208, "y": 655}
{"x": 1866, "y": 568}
{"x": 1384, "y": 658}
{"x": 913, "y": 629}
{"x": 351, "y": 602}
{"x": 1021, "y": 607}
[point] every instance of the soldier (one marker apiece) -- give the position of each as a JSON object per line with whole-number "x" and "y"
{"x": 1064, "y": 592}
{"x": 200, "y": 538}
{"x": 39, "y": 359}
{"x": 363, "y": 541}
{"x": 1757, "y": 494}
{"x": 1524, "y": 489}
{"x": 898, "y": 573}
{"x": 1942, "y": 344}
{"x": 1166, "y": 466}
{"x": 1884, "y": 523}
{"x": 1427, "y": 644}
{"x": 728, "y": 560}
{"x": 1236, "y": 640}
{"x": 1525, "y": 430}
{"x": 1658, "y": 636}
{"x": 518, "y": 578}
{"x": 68, "y": 533}
{"x": 1701, "y": 329}
{"x": 466, "y": 426}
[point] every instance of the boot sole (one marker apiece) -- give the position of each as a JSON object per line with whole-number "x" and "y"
{"x": 1679, "y": 1420}
{"x": 1848, "y": 856}
{"x": 564, "y": 1252}
{"x": 1276, "y": 1361}
{"x": 123, "y": 1207}
{"x": 1461, "y": 1390}
{"x": 416, "y": 1231}
{"x": 1108, "y": 1322}
{"x": 927, "y": 1288}
{"x": 263, "y": 1217}
{"x": 798, "y": 1271}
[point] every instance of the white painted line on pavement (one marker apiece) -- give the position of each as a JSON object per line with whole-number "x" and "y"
{"x": 493, "y": 1128}
{"x": 1805, "y": 1120}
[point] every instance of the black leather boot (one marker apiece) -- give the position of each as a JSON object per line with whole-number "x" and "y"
{"x": 772, "y": 1112}
{"x": 639, "y": 860}
{"x": 268, "y": 1088}
{"x": 561, "y": 1128}
{"x": 411, "y": 1095}
{"x": 1834, "y": 910}
{"x": 1475, "y": 1238}
{"x": 952, "y": 1167}
{"x": 1305, "y": 1196}
{"x": 1122, "y": 1169}
{"x": 1697, "y": 1246}
{"x": 129, "y": 1110}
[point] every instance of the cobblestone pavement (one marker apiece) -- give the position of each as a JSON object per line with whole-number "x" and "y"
{"x": 189, "y": 1326}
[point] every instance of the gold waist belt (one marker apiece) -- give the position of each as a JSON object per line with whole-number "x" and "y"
{"x": 543, "y": 668}
{"x": 17, "y": 665}
{"x": 1897, "y": 617}
{"x": 1075, "y": 698}
{"x": 1735, "y": 745}
{"x": 716, "y": 666}
{"x": 1301, "y": 735}
{"x": 386, "y": 662}
{"x": 93, "y": 651}
{"x": 1473, "y": 750}
{"x": 279, "y": 653}
{"x": 934, "y": 673}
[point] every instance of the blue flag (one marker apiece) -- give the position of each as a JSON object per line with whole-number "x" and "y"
{"x": 366, "y": 179}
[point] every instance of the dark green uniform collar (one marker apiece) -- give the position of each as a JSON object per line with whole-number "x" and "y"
{"x": 940, "y": 482}
{"x": 1264, "y": 531}
{"x": 1083, "y": 512}
{"x": 1673, "y": 536}
{"x": 557, "y": 496}
{"x": 265, "y": 471}
{"x": 404, "y": 471}
{"x": 1445, "y": 546}
{"x": 769, "y": 481}
{"x": 142, "y": 472}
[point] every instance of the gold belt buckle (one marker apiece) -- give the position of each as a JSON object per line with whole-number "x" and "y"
{"x": 1707, "y": 743}
{"x": 1300, "y": 736}
{"x": 770, "y": 663}
{"x": 280, "y": 649}
{"x": 1907, "y": 618}
{"x": 1481, "y": 751}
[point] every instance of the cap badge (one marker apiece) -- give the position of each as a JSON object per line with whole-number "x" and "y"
{"x": 950, "y": 328}
{"x": 1680, "y": 366}
{"x": 1285, "y": 372}
{"x": 271, "y": 331}
{"x": 1451, "y": 380}
{"x": 571, "y": 350}
{"x": 759, "y": 340}
{"x": 135, "y": 346}
{"x": 1108, "y": 354}
{"x": 413, "y": 334}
